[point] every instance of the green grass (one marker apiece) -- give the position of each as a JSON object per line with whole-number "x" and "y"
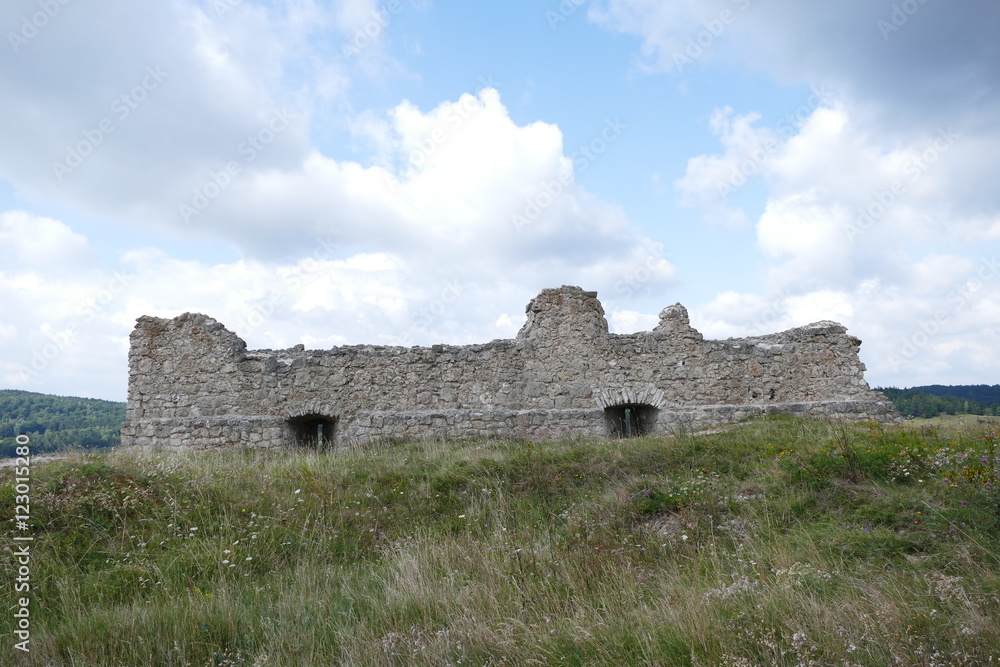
{"x": 955, "y": 422}
{"x": 782, "y": 542}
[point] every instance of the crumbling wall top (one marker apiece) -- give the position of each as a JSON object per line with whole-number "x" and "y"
{"x": 191, "y": 335}
{"x": 566, "y": 312}
{"x": 674, "y": 319}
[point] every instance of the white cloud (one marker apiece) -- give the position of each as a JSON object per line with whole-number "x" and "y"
{"x": 142, "y": 113}
{"x": 460, "y": 185}
{"x": 710, "y": 179}
{"x": 808, "y": 233}
{"x": 676, "y": 35}
{"x": 352, "y": 15}
{"x": 630, "y": 321}
{"x": 931, "y": 64}
{"x": 41, "y": 243}
{"x": 210, "y": 152}
{"x": 841, "y": 203}
{"x": 874, "y": 234}
{"x": 821, "y": 305}
{"x": 913, "y": 334}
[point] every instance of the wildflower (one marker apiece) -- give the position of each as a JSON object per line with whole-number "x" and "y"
{"x": 298, "y": 490}
{"x": 249, "y": 557}
{"x": 225, "y": 562}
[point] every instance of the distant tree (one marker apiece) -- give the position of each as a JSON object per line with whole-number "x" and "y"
{"x": 918, "y": 402}
{"x": 57, "y": 422}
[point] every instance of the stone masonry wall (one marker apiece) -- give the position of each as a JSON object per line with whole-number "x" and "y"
{"x": 193, "y": 383}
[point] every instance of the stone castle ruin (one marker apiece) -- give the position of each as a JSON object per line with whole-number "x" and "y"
{"x": 194, "y": 384}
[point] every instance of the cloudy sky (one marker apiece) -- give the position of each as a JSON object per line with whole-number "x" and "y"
{"x": 349, "y": 171}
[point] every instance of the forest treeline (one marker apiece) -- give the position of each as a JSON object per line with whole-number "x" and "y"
{"x": 934, "y": 400}
{"x": 57, "y": 422}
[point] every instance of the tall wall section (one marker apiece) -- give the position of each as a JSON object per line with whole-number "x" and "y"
{"x": 193, "y": 383}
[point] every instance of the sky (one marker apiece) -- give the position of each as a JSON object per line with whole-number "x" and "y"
{"x": 414, "y": 172}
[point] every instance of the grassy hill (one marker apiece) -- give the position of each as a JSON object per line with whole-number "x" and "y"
{"x": 783, "y": 542}
{"x": 58, "y": 422}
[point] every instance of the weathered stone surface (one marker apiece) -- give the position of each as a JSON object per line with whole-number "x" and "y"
{"x": 194, "y": 384}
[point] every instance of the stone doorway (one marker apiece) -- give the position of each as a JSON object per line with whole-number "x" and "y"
{"x": 630, "y": 420}
{"x": 313, "y": 431}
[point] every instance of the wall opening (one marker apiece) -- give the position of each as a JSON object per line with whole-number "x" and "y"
{"x": 630, "y": 420}
{"x": 313, "y": 431}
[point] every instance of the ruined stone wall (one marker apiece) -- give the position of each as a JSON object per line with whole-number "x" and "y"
{"x": 193, "y": 383}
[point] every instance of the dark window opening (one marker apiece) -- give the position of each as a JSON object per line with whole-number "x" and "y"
{"x": 631, "y": 420}
{"x": 314, "y": 431}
